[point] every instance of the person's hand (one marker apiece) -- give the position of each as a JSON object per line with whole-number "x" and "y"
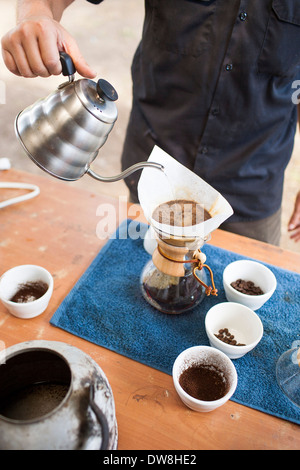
{"x": 294, "y": 223}
{"x": 32, "y": 48}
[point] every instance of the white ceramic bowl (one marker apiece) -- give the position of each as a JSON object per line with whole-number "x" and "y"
{"x": 242, "y": 322}
{"x": 197, "y": 355}
{"x": 249, "y": 270}
{"x": 9, "y": 285}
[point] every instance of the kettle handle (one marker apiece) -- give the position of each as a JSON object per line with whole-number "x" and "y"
{"x": 101, "y": 418}
{"x": 67, "y": 64}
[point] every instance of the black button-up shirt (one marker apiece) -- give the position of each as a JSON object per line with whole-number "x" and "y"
{"x": 213, "y": 86}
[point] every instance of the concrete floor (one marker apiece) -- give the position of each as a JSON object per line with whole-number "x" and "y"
{"x": 107, "y": 36}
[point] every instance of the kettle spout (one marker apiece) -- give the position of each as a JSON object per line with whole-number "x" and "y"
{"x": 125, "y": 173}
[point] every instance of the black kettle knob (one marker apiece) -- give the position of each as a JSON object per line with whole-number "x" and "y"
{"x": 68, "y": 67}
{"x": 106, "y": 90}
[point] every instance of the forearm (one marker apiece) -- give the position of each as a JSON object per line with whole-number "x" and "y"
{"x": 32, "y": 8}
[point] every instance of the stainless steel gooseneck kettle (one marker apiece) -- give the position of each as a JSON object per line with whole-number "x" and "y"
{"x": 63, "y": 133}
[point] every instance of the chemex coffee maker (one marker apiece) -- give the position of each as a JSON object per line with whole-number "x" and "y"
{"x": 183, "y": 211}
{"x": 63, "y": 133}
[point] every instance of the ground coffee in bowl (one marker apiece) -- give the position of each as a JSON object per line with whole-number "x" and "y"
{"x": 30, "y": 291}
{"x": 204, "y": 382}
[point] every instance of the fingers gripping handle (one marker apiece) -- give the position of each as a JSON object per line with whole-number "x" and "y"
{"x": 68, "y": 67}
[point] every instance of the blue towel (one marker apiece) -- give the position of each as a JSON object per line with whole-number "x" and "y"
{"x": 106, "y": 307}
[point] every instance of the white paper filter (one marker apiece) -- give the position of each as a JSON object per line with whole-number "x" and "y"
{"x": 178, "y": 182}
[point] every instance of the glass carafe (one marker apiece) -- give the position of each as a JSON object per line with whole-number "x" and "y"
{"x": 288, "y": 374}
{"x": 168, "y": 281}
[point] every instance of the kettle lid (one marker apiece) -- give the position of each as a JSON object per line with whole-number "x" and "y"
{"x": 98, "y": 98}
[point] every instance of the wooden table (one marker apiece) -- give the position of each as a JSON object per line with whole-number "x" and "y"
{"x": 59, "y": 230}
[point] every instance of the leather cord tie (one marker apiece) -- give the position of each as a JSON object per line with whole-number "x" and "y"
{"x": 199, "y": 259}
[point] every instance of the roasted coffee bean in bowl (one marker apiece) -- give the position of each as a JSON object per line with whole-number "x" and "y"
{"x": 248, "y": 282}
{"x": 233, "y": 328}
{"x": 204, "y": 378}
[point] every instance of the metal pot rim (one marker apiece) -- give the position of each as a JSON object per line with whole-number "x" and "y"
{"x": 64, "y": 400}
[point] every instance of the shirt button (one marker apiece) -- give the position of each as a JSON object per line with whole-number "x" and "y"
{"x": 243, "y": 16}
{"x": 204, "y": 150}
{"x": 215, "y": 111}
{"x": 228, "y": 67}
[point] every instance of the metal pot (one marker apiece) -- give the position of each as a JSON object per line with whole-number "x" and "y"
{"x": 54, "y": 397}
{"x": 63, "y": 133}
